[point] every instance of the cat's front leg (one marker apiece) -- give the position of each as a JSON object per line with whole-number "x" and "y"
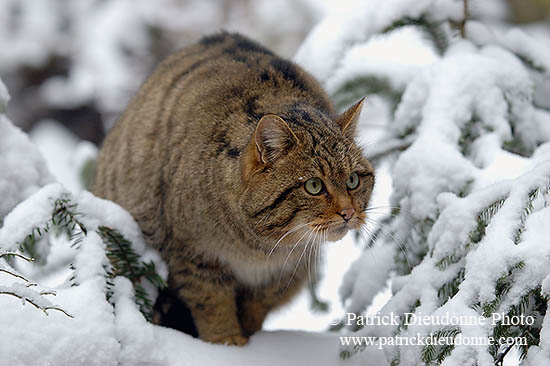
{"x": 210, "y": 296}
{"x": 255, "y": 304}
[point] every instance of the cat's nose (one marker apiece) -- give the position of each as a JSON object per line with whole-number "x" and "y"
{"x": 347, "y": 213}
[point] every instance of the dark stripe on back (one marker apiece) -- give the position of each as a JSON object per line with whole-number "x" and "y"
{"x": 289, "y": 72}
{"x": 234, "y": 152}
{"x": 264, "y": 76}
{"x": 251, "y": 109}
{"x": 213, "y": 39}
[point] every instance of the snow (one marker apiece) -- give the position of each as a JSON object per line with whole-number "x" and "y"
{"x": 59, "y": 147}
{"x": 446, "y": 171}
{"x": 87, "y": 339}
{"x": 329, "y": 41}
{"x": 162, "y": 346}
{"x": 103, "y": 212}
{"x": 22, "y": 169}
{"x": 488, "y": 261}
{"x": 4, "y": 97}
{"x": 382, "y": 57}
{"x": 361, "y": 286}
{"x": 514, "y": 40}
{"x": 92, "y": 329}
{"x": 33, "y": 212}
{"x": 482, "y": 84}
{"x": 28, "y": 295}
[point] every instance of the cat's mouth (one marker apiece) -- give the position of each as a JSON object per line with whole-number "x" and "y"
{"x": 340, "y": 228}
{"x": 337, "y": 231}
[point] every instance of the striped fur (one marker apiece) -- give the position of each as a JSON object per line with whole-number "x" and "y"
{"x": 184, "y": 160}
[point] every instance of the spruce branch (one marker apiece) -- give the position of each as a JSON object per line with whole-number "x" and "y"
{"x": 37, "y": 302}
{"x": 466, "y": 11}
{"x": 360, "y": 86}
{"x": 22, "y": 291}
{"x": 123, "y": 259}
{"x": 431, "y": 352}
{"x": 450, "y": 289}
{"x": 15, "y": 254}
{"x": 14, "y": 274}
{"x": 64, "y": 217}
{"x": 475, "y": 236}
{"x": 528, "y": 209}
{"x": 433, "y": 30}
{"x": 534, "y": 304}
{"x": 7, "y": 255}
{"x": 126, "y": 262}
{"x": 389, "y": 146}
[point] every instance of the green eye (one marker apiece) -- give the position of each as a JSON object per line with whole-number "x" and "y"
{"x": 353, "y": 181}
{"x": 314, "y": 186}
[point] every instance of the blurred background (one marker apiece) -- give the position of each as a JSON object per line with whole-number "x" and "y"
{"x": 78, "y": 62}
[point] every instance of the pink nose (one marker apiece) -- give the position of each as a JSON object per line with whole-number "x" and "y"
{"x": 347, "y": 213}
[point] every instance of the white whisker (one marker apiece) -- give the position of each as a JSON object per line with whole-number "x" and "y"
{"x": 399, "y": 242}
{"x": 315, "y": 231}
{"x": 288, "y": 256}
{"x": 293, "y": 230}
{"x": 313, "y": 247}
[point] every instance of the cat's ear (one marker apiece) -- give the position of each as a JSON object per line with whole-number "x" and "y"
{"x": 273, "y": 137}
{"x": 348, "y": 120}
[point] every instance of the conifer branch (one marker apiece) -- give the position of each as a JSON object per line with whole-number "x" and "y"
{"x": 33, "y": 297}
{"x": 433, "y": 30}
{"x": 13, "y": 273}
{"x": 126, "y": 262}
{"x": 431, "y": 352}
{"x": 466, "y": 11}
{"x": 33, "y": 302}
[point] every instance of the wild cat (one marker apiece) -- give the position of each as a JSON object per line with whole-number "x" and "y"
{"x": 237, "y": 168}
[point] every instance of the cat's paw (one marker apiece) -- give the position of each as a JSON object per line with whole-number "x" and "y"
{"x": 233, "y": 340}
{"x": 251, "y": 325}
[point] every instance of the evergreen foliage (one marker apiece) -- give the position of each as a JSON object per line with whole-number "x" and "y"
{"x": 123, "y": 259}
{"x": 25, "y": 291}
{"x": 417, "y": 235}
{"x": 126, "y": 262}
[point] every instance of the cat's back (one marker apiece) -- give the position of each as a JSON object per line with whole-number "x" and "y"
{"x": 189, "y": 124}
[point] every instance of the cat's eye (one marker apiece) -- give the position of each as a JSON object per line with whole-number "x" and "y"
{"x": 314, "y": 186}
{"x": 353, "y": 181}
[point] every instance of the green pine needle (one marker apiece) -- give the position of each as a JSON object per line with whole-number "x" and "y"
{"x": 126, "y": 262}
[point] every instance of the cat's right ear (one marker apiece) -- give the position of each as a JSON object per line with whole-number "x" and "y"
{"x": 272, "y": 138}
{"x": 348, "y": 120}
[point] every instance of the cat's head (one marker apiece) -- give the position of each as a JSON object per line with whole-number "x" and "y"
{"x": 305, "y": 177}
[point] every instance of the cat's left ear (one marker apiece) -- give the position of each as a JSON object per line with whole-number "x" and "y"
{"x": 348, "y": 120}
{"x": 273, "y": 137}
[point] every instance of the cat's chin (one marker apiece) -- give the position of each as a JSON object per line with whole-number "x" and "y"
{"x": 337, "y": 233}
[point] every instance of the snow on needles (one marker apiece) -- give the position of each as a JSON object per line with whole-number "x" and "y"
{"x": 464, "y": 111}
{"x": 83, "y": 330}
{"x": 326, "y": 45}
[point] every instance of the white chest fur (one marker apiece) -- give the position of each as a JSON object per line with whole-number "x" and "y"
{"x": 262, "y": 272}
